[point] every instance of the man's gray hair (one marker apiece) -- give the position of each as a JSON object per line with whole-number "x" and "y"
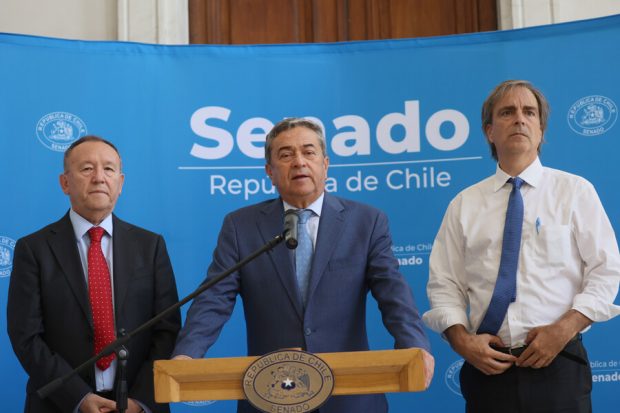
{"x": 290, "y": 123}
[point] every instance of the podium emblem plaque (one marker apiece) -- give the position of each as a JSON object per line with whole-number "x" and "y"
{"x": 288, "y": 381}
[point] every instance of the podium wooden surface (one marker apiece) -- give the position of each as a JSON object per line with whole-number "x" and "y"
{"x": 357, "y": 372}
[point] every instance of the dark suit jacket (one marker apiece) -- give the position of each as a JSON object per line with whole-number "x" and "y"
{"x": 49, "y": 316}
{"x": 353, "y": 256}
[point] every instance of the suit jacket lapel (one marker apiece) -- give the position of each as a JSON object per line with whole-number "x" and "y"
{"x": 271, "y": 224}
{"x": 63, "y": 245}
{"x": 328, "y": 236}
{"x": 122, "y": 250}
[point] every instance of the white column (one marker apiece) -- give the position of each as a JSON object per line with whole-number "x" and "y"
{"x": 153, "y": 21}
{"x": 515, "y": 14}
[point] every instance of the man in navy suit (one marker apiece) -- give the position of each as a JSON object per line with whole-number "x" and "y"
{"x": 50, "y": 321}
{"x": 352, "y": 256}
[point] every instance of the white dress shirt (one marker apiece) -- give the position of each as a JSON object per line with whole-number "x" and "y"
{"x": 569, "y": 255}
{"x": 312, "y": 226}
{"x": 103, "y": 378}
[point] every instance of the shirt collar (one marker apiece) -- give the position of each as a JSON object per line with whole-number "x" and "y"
{"x": 532, "y": 175}
{"x": 81, "y": 225}
{"x": 316, "y": 206}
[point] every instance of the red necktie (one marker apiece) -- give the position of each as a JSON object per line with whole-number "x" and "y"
{"x": 100, "y": 294}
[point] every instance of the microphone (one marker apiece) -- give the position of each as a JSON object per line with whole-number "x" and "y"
{"x": 290, "y": 228}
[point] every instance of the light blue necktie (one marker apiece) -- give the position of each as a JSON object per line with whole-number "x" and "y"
{"x": 505, "y": 291}
{"x": 303, "y": 253}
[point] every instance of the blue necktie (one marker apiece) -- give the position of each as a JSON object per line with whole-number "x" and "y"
{"x": 505, "y": 291}
{"x": 303, "y": 253}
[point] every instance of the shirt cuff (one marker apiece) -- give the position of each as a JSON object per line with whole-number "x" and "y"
{"x": 595, "y": 311}
{"x": 440, "y": 319}
{"x": 144, "y": 408}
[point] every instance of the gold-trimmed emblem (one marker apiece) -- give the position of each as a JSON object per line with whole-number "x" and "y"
{"x": 288, "y": 381}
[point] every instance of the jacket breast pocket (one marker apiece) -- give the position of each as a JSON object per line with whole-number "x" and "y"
{"x": 347, "y": 264}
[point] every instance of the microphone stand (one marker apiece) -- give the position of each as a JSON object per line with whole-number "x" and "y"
{"x": 118, "y": 345}
{"x": 122, "y": 389}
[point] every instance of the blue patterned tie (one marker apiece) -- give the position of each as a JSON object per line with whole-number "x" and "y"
{"x": 303, "y": 253}
{"x": 505, "y": 291}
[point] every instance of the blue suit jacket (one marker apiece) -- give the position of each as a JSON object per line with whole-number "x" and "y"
{"x": 353, "y": 256}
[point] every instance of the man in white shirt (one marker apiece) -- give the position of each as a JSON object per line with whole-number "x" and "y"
{"x": 567, "y": 269}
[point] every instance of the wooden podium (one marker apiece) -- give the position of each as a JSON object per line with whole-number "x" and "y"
{"x": 359, "y": 372}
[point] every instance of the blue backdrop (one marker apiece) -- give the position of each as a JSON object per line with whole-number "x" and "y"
{"x": 401, "y": 119}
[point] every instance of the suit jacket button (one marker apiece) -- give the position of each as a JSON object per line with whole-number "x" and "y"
{"x": 308, "y": 331}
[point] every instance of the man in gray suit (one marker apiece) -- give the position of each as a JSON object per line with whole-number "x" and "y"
{"x": 327, "y": 311}
{"x": 51, "y": 323}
